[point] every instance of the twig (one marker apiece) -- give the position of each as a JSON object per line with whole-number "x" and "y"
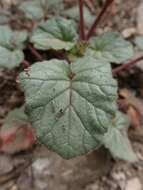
{"x": 35, "y": 53}
{"x": 126, "y": 66}
{"x": 82, "y": 32}
{"x": 98, "y": 19}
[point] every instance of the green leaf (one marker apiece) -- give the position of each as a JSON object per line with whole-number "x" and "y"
{"x": 68, "y": 104}
{"x": 12, "y": 39}
{"x": 10, "y": 59}
{"x": 139, "y": 42}
{"x": 32, "y": 9}
{"x": 73, "y": 13}
{"x": 111, "y": 47}
{"x": 117, "y": 141}
{"x": 11, "y": 45}
{"x": 15, "y": 116}
{"x": 56, "y": 33}
{"x": 38, "y": 9}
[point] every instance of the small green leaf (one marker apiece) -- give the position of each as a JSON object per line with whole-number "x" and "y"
{"x": 12, "y": 39}
{"x": 15, "y": 116}
{"x": 116, "y": 140}
{"x": 11, "y": 45}
{"x": 38, "y": 9}
{"x": 32, "y": 9}
{"x": 56, "y": 33}
{"x": 111, "y": 47}
{"x": 139, "y": 42}
{"x": 73, "y": 13}
{"x": 10, "y": 59}
{"x": 68, "y": 104}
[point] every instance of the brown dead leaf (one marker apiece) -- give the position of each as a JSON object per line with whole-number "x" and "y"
{"x": 134, "y": 117}
{"x": 133, "y": 106}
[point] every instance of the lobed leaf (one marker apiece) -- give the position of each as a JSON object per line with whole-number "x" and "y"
{"x": 32, "y": 9}
{"x": 73, "y": 13}
{"x": 12, "y": 39}
{"x": 56, "y": 33}
{"x": 116, "y": 140}
{"x": 69, "y": 104}
{"x": 10, "y": 59}
{"x": 11, "y": 45}
{"x": 111, "y": 47}
{"x": 38, "y": 9}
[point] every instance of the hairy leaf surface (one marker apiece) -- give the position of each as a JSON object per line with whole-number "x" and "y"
{"x": 111, "y": 47}
{"x": 73, "y": 13}
{"x": 56, "y": 33}
{"x": 11, "y": 45}
{"x": 32, "y": 9}
{"x": 38, "y": 9}
{"x": 68, "y": 104}
{"x": 116, "y": 139}
{"x": 10, "y": 59}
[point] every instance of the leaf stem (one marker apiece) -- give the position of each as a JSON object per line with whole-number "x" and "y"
{"x": 81, "y": 27}
{"x": 98, "y": 19}
{"x": 26, "y": 66}
{"x": 126, "y": 66}
{"x": 35, "y": 53}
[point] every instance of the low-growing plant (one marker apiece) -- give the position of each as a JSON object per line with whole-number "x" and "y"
{"x": 71, "y": 96}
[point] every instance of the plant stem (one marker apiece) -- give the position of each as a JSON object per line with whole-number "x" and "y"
{"x": 82, "y": 32}
{"x": 98, "y": 19}
{"x": 26, "y": 66}
{"x": 126, "y": 66}
{"x": 35, "y": 53}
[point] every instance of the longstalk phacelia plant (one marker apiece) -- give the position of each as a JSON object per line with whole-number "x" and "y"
{"x": 70, "y": 93}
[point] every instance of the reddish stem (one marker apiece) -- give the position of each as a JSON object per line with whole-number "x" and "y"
{"x": 98, "y": 19}
{"x": 26, "y": 66}
{"x": 35, "y": 53}
{"x": 82, "y": 32}
{"x": 126, "y": 66}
